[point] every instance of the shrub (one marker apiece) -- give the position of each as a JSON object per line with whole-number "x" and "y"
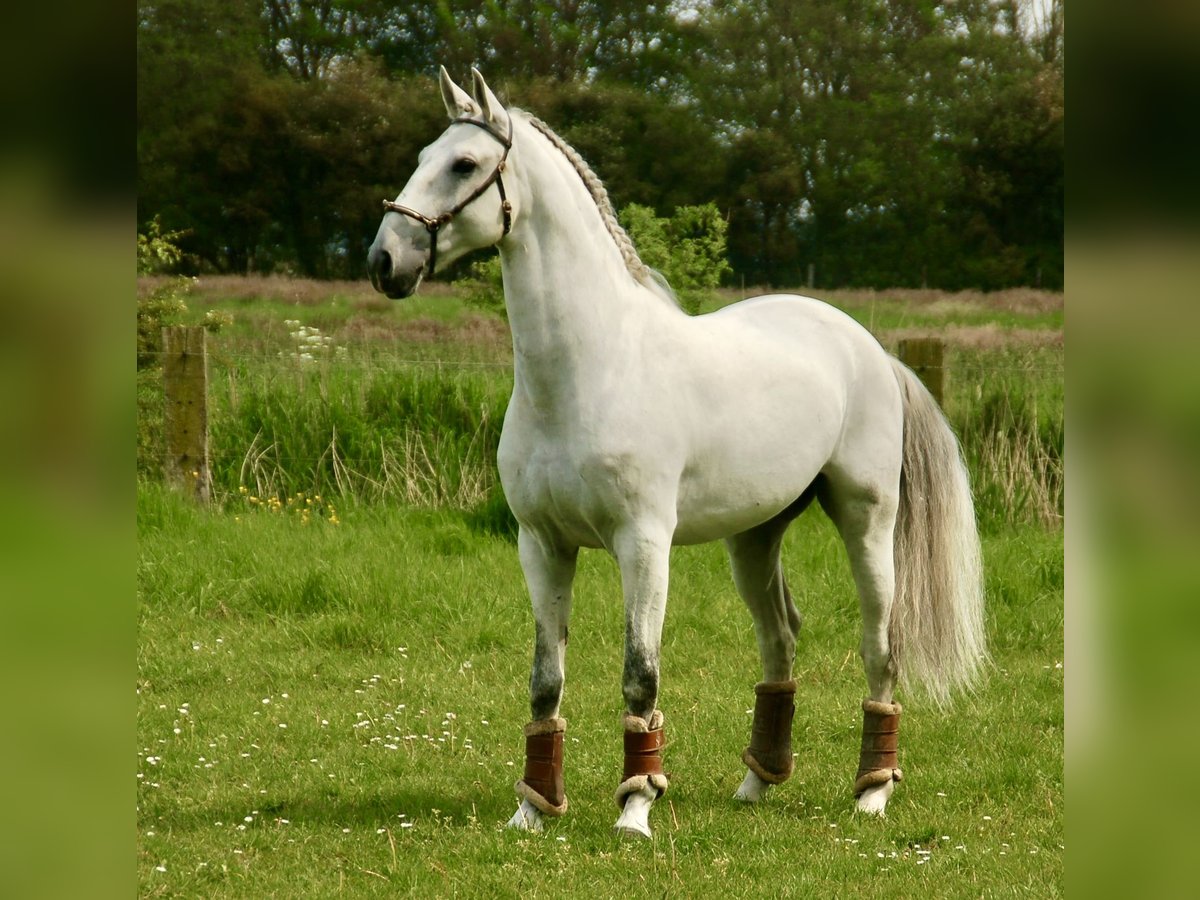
{"x": 160, "y": 306}
{"x": 688, "y": 249}
{"x": 484, "y": 287}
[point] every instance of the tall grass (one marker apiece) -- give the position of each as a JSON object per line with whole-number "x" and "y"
{"x": 396, "y": 406}
{"x": 426, "y": 435}
{"x": 1006, "y": 405}
{"x": 356, "y": 428}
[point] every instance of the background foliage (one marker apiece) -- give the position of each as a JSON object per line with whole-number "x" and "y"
{"x": 883, "y": 142}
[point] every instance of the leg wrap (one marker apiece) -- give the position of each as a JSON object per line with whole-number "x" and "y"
{"x": 543, "y": 782}
{"x": 769, "y": 755}
{"x": 877, "y": 763}
{"x": 643, "y": 756}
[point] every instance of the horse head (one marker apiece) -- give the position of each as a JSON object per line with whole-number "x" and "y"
{"x": 455, "y": 201}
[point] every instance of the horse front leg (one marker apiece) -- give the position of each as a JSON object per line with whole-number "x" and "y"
{"x": 643, "y": 556}
{"x": 549, "y": 574}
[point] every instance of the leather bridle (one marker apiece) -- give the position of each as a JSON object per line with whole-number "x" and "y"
{"x": 432, "y": 225}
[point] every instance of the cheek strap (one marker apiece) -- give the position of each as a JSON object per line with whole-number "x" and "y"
{"x": 432, "y": 225}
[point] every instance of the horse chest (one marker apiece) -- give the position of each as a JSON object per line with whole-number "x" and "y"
{"x": 577, "y": 482}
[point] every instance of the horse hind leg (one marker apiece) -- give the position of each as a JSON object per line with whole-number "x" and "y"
{"x": 758, "y": 575}
{"x": 866, "y": 520}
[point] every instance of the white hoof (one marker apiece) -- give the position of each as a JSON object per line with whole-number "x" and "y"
{"x": 634, "y": 821}
{"x": 873, "y": 801}
{"x": 527, "y": 818}
{"x": 753, "y": 788}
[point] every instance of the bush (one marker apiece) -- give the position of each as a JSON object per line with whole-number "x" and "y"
{"x": 484, "y": 287}
{"x": 162, "y": 305}
{"x": 688, "y": 249}
{"x": 157, "y": 251}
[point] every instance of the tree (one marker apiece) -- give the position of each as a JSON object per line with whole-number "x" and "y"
{"x": 688, "y": 248}
{"x": 885, "y": 142}
{"x": 566, "y": 41}
{"x": 306, "y": 37}
{"x": 850, "y": 123}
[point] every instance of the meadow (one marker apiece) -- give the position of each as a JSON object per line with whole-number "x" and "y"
{"x": 333, "y": 656}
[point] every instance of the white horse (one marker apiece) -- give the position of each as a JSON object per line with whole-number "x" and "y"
{"x": 634, "y": 426}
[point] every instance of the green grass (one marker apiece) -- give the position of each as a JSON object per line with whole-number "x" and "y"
{"x": 366, "y": 635}
{"x": 357, "y": 573}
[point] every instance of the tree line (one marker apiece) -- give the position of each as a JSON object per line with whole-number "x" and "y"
{"x": 880, "y": 142}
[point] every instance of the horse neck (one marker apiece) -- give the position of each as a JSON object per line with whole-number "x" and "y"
{"x": 569, "y": 294}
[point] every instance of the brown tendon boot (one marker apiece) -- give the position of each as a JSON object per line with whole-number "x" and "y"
{"x": 877, "y": 763}
{"x": 643, "y": 756}
{"x": 543, "y": 782}
{"x": 769, "y": 755}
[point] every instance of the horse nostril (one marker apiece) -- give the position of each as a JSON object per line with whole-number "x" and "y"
{"x": 379, "y": 267}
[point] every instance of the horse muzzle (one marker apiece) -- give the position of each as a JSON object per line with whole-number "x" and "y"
{"x": 393, "y": 273}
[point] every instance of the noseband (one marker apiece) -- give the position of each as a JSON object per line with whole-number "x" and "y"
{"x": 432, "y": 225}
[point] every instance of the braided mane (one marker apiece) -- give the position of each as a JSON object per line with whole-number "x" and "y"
{"x": 641, "y": 272}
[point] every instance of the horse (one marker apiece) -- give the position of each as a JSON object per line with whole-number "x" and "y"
{"x": 634, "y": 426}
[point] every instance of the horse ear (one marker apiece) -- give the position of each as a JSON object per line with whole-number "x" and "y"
{"x": 458, "y": 102}
{"x": 493, "y": 109}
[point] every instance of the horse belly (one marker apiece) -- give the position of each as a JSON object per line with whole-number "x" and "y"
{"x": 752, "y": 459}
{"x": 716, "y": 501}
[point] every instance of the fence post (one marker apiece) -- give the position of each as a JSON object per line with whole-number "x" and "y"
{"x": 925, "y": 357}
{"x": 185, "y": 409}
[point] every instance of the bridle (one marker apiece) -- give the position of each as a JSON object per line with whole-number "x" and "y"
{"x": 432, "y": 225}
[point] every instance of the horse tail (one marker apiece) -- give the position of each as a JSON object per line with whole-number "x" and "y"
{"x": 936, "y": 630}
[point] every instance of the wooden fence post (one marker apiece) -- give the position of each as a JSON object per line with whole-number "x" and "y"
{"x": 185, "y": 412}
{"x": 925, "y": 356}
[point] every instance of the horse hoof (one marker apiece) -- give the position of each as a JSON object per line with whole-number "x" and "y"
{"x": 752, "y": 790}
{"x": 873, "y": 801}
{"x": 527, "y": 818}
{"x": 633, "y": 832}
{"x": 634, "y": 821}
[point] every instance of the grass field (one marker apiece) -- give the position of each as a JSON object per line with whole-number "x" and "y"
{"x": 332, "y": 683}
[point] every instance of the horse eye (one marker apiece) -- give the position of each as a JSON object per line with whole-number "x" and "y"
{"x": 464, "y": 166}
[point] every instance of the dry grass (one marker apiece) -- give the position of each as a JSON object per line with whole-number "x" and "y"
{"x": 419, "y": 469}
{"x": 1029, "y": 479}
{"x": 1022, "y": 301}
{"x": 483, "y": 332}
{"x": 979, "y": 337}
{"x": 300, "y": 291}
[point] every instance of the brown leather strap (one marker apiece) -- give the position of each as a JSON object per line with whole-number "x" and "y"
{"x": 643, "y": 753}
{"x": 544, "y": 765}
{"x": 770, "y": 750}
{"x": 434, "y": 223}
{"x": 880, "y": 739}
